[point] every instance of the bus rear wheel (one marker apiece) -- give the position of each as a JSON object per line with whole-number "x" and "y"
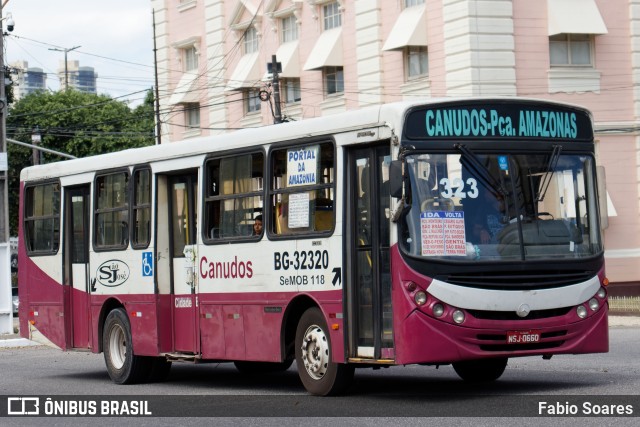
{"x": 480, "y": 371}
{"x": 122, "y": 365}
{"x": 318, "y": 373}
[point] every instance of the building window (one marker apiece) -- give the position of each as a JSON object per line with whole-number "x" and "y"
{"x": 571, "y": 50}
{"x": 417, "y": 62}
{"x": 302, "y": 190}
{"x": 332, "y": 15}
{"x": 233, "y": 198}
{"x": 289, "y": 29}
{"x": 252, "y": 101}
{"x": 409, "y": 3}
{"x": 250, "y": 40}
{"x": 291, "y": 89}
{"x": 42, "y": 219}
{"x": 112, "y": 211}
{"x": 192, "y": 115}
{"x": 333, "y": 80}
{"x": 190, "y": 58}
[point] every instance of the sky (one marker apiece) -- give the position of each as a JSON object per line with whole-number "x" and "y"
{"x": 115, "y": 38}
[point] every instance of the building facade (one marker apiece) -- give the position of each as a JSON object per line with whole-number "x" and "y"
{"x": 347, "y": 54}
{"x": 26, "y": 79}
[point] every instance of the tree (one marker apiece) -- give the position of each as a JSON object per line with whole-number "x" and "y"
{"x": 73, "y": 122}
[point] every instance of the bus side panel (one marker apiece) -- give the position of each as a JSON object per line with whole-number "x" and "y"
{"x": 42, "y": 307}
{"x": 262, "y": 333}
{"x": 142, "y": 313}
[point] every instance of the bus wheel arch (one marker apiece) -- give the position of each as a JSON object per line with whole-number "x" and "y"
{"x": 123, "y": 366}
{"x": 108, "y": 306}
{"x": 318, "y": 373}
{"x": 293, "y": 314}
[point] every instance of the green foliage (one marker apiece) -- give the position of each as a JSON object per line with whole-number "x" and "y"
{"x": 76, "y": 123}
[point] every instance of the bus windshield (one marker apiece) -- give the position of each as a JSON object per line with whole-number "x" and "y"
{"x": 497, "y": 207}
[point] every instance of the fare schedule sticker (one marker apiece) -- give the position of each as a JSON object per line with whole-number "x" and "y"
{"x": 442, "y": 233}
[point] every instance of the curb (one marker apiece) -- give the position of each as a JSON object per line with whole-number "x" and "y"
{"x": 17, "y": 342}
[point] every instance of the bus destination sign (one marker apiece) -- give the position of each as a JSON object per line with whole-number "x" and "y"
{"x": 513, "y": 121}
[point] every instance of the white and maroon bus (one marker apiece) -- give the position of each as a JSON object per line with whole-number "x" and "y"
{"x": 461, "y": 232}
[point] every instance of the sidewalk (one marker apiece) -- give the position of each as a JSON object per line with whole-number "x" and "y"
{"x": 14, "y": 340}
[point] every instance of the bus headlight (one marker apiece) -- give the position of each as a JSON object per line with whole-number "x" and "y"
{"x": 581, "y": 311}
{"x": 420, "y": 298}
{"x": 593, "y": 304}
{"x": 438, "y": 310}
{"x": 601, "y": 293}
{"x": 458, "y": 316}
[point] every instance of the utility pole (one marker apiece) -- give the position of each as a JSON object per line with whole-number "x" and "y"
{"x": 66, "y": 68}
{"x": 157, "y": 94}
{"x": 6, "y": 310}
{"x": 276, "y": 90}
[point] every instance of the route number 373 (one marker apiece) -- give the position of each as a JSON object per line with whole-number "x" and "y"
{"x": 459, "y": 188}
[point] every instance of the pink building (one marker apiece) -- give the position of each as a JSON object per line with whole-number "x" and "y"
{"x": 347, "y": 54}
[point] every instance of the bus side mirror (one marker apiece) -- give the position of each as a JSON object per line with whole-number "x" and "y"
{"x": 395, "y": 179}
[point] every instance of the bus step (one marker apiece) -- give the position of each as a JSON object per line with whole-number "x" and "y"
{"x": 182, "y": 357}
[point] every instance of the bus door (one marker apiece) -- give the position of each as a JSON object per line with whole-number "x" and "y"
{"x": 76, "y": 265}
{"x": 368, "y": 289}
{"x": 183, "y": 192}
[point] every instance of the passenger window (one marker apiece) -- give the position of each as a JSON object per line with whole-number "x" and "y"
{"x": 302, "y": 192}
{"x": 234, "y": 197}
{"x": 141, "y": 208}
{"x": 42, "y": 219}
{"x": 112, "y": 211}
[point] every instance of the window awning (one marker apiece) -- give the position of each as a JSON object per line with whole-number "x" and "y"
{"x": 287, "y": 56}
{"x": 186, "y": 90}
{"x": 246, "y": 74}
{"x": 327, "y": 52}
{"x": 410, "y": 29}
{"x": 574, "y": 17}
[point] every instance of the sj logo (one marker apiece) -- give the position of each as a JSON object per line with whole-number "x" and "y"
{"x": 113, "y": 273}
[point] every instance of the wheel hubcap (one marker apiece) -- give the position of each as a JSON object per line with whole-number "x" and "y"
{"x": 315, "y": 352}
{"x": 117, "y": 346}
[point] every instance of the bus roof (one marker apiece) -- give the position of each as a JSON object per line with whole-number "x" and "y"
{"x": 380, "y": 115}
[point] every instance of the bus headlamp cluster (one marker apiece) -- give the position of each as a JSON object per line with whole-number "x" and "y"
{"x": 429, "y": 304}
{"x": 593, "y": 304}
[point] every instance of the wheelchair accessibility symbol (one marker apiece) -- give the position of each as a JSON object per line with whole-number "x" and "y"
{"x": 147, "y": 264}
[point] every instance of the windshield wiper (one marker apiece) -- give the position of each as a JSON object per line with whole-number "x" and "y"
{"x": 548, "y": 174}
{"x": 470, "y": 160}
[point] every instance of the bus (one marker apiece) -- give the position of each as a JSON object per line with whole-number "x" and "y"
{"x": 448, "y": 231}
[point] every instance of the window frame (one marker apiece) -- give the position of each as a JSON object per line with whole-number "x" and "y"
{"x": 568, "y": 43}
{"x": 206, "y": 198}
{"x": 328, "y": 71}
{"x": 250, "y": 45}
{"x": 271, "y": 192}
{"x": 407, "y": 58}
{"x": 294, "y": 34}
{"x": 249, "y": 95}
{"x": 191, "y": 61}
{"x": 285, "y": 89}
{"x": 135, "y": 207}
{"x": 190, "y": 108}
{"x": 334, "y": 20}
{"x": 95, "y": 211}
{"x": 55, "y": 216}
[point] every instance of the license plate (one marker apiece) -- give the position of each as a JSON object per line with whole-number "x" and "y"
{"x": 523, "y": 337}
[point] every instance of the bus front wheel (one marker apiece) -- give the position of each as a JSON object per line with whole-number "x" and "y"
{"x": 479, "y": 371}
{"x": 123, "y": 366}
{"x": 318, "y": 373}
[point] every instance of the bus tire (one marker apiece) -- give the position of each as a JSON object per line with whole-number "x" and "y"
{"x": 480, "y": 371}
{"x": 122, "y": 365}
{"x": 257, "y": 368}
{"x": 319, "y": 375}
